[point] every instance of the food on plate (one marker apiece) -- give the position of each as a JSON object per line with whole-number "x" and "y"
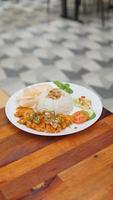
{"x": 43, "y": 121}
{"x": 49, "y": 108}
{"x": 64, "y": 86}
{"x": 91, "y": 113}
{"x": 80, "y": 117}
{"x": 54, "y": 94}
{"x": 83, "y": 102}
{"x": 55, "y": 100}
{"x": 29, "y": 97}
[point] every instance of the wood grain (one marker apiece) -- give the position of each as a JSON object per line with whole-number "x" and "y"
{"x": 78, "y": 166}
{"x": 3, "y": 118}
{"x": 86, "y": 180}
{"x": 97, "y": 178}
{"x": 3, "y": 98}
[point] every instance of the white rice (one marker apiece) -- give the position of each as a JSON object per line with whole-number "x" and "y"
{"x": 64, "y": 104}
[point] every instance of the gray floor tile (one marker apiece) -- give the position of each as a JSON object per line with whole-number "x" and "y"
{"x": 37, "y": 47}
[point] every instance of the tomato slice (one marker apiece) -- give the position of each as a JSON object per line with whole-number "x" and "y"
{"x": 80, "y": 117}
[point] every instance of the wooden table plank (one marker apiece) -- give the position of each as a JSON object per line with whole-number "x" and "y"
{"x": 3, "y": 118}
{"x": 95, "y": 177}
{"x": 104, "y": 194}
{"x": 96, "y": 174}
{"x": 109, "y": 120}
{"x": 105, "y": 113}
{"x": 31, "y": 166}
{"x": 63, "y": 145}
{"x": 19, "y": 145}
{"x": 46, "y": 163}
{"x": 2, "y": 196}
{"x": 3, "y": 98}
{"x": 7, "y": 130}
{"x": 51, "y": 189}
{"x": 15, "y": 144}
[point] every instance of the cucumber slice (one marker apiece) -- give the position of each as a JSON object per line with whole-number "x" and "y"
{"x": 92, "y": 114}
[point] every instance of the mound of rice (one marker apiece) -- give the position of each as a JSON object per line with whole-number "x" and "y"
{"x": 64, "y": 104}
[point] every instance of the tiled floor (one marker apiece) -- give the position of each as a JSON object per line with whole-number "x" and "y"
{"x": 36, "y": 46}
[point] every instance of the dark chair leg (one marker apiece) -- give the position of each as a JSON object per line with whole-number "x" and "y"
{"x": 77, "y": 5}
{"x": 103, "y": 12}
{"x": 110, "y": 6}
{"x": 64, "y": 8}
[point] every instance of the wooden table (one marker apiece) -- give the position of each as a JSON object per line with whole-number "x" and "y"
{"x": 75, "y": 167}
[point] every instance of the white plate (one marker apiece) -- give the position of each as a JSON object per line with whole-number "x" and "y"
{"x": 77, "y": 92}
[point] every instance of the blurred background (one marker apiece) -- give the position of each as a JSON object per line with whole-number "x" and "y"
{"x": 37, "y": 44}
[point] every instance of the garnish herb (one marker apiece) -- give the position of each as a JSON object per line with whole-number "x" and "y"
{"x": 65, "y": 86}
